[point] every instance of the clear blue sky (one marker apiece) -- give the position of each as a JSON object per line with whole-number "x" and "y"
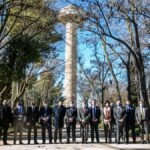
{"x": 82, "y": 36}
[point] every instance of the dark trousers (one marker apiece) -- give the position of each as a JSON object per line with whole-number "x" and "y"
{"x": 108, "y": 131}
{"x": 56, "y": 133}
{"x": 120, "y": 131}
{"x": 30, "y": 127}
{"x": 84, "y": 132}
{"x": 130, "y": 126}
{"x": 94, "y": 129}
{"x": 5, "y": 130}
{"x": 0, "y": 132}
{"x": 49, "y": 129}
{"x": 68, "y": 127}
{"x": 144, "y": 128}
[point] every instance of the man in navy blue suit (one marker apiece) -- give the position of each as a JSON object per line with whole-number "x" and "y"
{"x": 59, "y": 114}
{"x": 95, "y": 120}
{"x": 130, "y": 121}
{"x": 45, "y": 121}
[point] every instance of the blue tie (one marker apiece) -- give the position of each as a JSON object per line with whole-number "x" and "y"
{"x": 93, "y": 112}
{"x": 128, "y": 108}
{"x": 20, "y": 110}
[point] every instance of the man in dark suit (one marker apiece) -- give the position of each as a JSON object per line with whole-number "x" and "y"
{"x": 120, "y": 118}
{"x": 113, "y": 122}
{"x": 7, "y": 119}
{"x": 71, "y": 115}
{"x": 19, "y": 118}
{"x": 32, "y": 120}
{"x": 1, "y": 117}
{"x": 46, "y": 121}
{"x": 142, "y": 116}
{"x": 59, "y": 114}
{"x": 95, "y": 120}
{"x": 130, "y": 121}
{"x": 84, "y": 115}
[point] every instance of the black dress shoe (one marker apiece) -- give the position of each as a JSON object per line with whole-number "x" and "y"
{"x": 36, "y": 142}
{"x": 67, "y": 142}
{"x": 86, "y": 140}
{"x": 6, "y": 143}
{"x": 21, "y": 142}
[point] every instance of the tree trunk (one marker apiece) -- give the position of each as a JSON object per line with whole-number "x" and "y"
{"x": 139, "y": 62}
{"x": 111, "y": 69}
{"x": 133, "y": 94}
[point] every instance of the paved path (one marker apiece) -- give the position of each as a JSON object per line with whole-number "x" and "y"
{"x": 71, "y": 146}
{"x": 101, "y": 146}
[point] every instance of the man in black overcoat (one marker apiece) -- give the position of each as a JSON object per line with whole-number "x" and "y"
{"x": 1, "y": 116}
{"x": 7, "y": 119}
{"x": 59, "y": 115}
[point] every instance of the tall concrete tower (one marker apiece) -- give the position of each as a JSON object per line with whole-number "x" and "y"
{"x": 71, "y": 16}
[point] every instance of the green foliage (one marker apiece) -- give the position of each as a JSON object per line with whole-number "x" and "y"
{"x": 30, "y": 27}
{"x": 20, "y": 53}
{"x": 31, "y": 17}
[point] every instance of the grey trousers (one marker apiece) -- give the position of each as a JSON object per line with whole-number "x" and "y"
{"x": 18, "y": 126}
{"x": 120, "y": 131}
{"x": 84, "y": 129}
{"x": 144, "y": 128}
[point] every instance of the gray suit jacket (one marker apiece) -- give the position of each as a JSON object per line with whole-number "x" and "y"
{"x": 84, "y": 115}
{"x": 138, "y": 115}
{"x": 119, "y": 113}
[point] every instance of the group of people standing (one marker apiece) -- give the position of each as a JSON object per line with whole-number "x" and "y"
{"x": 126, "y": 118}
{"x": 118, "y": 119}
